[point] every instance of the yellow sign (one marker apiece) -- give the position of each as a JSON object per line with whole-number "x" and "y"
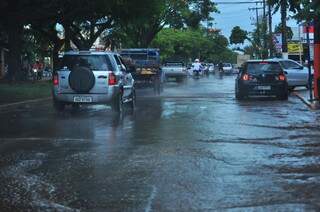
{"x": 295, "y": 48}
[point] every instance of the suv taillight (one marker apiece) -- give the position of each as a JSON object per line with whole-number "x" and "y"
{"x": 112, "y": 79}
{"x": 55, "y": 79}
{"x": 246, "y": 77}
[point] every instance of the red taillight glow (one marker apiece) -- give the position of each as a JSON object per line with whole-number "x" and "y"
{"x": 282, "y": 77}
{"x": 55, "y": 80}
{"x": 112, "y": 80}
{"x": 245, "y": 77}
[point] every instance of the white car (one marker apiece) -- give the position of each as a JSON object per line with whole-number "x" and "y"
{"x": 227, "y": 68}
{"x": 297, "y": 75}
{"x": 175, "y": 70}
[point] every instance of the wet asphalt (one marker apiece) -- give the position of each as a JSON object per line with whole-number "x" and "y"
{"x": 193, "y": 148}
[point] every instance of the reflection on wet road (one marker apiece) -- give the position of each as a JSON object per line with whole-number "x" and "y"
{"x": 192, "y": 148}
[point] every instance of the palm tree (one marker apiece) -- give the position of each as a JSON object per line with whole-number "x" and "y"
{"x": 284, "y": 5}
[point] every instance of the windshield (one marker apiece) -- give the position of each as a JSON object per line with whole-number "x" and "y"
{"x": 93, "y": 62}
{"x": 263, "y": 67}
{"x": 227, "y": 65}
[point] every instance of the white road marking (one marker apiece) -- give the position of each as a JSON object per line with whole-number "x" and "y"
{"x": 148, "y": 207}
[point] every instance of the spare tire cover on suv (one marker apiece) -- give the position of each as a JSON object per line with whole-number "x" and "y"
{"x": 81, "y": 79}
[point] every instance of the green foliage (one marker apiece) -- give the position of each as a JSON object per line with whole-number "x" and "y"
{"x": 238, "y": 36}
{"x": 307, "y": 10}
{"x": 289, "y": 32}
{"x": 188, "y": 44}
{"x": 157, "y": 14}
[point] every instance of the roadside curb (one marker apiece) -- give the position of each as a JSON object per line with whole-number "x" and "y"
{"x": 24, "y": 102}
{"x": 311, "y": 105}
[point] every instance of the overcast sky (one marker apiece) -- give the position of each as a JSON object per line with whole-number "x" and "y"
{"x": 239, "y": 15}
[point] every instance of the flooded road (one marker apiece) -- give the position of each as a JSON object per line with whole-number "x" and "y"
{"x": 194, "y": 148}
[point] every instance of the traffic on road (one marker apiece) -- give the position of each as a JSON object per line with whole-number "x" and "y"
{"x": 159, "y": 105}
{"x": 193, "y": 147}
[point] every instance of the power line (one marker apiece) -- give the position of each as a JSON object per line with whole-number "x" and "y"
{"x": 239, "y": 2}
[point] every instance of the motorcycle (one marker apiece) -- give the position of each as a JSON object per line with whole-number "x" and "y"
{"x": 196, "y": 74}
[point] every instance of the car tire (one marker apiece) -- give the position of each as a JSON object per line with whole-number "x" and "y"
{"x": 58, "y": 105}
{"x": 133, "y": 100}
{"x": 239, "y": 96}
{"x": 117, "y": 104}
{"x": 157, "y": 86}
{"x": 284, "y": 96}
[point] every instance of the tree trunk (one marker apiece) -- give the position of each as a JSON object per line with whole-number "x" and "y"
{"x": 15, "y": 45}
{"x": 67, "y": 36}
{"x": 55, "y": 55}
{"x": 284, "y": 25}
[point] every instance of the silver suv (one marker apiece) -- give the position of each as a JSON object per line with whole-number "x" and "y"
{"x": 92, "y": 78}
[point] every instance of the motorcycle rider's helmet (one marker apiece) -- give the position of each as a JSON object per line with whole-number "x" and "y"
{"x": 196, "y": 60}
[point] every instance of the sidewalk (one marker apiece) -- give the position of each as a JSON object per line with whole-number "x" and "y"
{"x": 304, "y": 96}
{"x": 23, "y": 91}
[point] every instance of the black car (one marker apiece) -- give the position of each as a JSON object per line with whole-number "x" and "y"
{"x": 261, "y": 78}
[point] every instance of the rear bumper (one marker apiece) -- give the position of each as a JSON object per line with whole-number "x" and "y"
{"x": 175, "y": 74}
{"x": 252, "y": 89}
{"x": 103, "y": 98}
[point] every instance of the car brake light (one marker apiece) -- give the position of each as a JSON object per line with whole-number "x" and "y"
{"x": 55, "y": 79}
{"x": 112, "y": 80}
{"x": 246, "y": 77}
{"x": 282, "y": 77}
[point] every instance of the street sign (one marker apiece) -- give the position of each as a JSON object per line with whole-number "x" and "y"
{"x": 295, "y": 48}
{"x": 277, "y": 40}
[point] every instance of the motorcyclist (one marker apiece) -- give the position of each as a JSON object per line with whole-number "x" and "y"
{"x": 197, "y": 66}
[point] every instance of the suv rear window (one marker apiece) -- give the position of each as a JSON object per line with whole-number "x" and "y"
{"x": 93, "y": 62}
{"x": 263, "y": 67}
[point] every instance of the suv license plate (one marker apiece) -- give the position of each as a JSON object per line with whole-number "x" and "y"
{"x": 85, "y": 99}
{"x": 264, "y": 88}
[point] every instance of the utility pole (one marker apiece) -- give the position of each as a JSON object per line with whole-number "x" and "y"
{"x": 270, "y": 31}
{"x": 258, "y": 25}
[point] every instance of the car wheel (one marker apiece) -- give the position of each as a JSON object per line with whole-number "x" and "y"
{"x": 239, "y": 96}
{"x": 133, "y": 100}
{"x": 58, "y": 105}
{"x": 284, "y": 96}
{"x": 157, "y": 86}
{"x": 117, "y": 104}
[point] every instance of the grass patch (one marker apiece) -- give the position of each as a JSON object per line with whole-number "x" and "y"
{"x": 16, "y": 92}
